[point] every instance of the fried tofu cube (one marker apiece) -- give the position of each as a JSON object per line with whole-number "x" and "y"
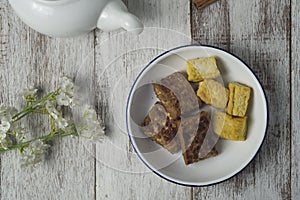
{"x": 202, "y": 68}
{"x": 229, "y": 127}
{"x": 239, "y": 96}
{"x": 213, "y": 93}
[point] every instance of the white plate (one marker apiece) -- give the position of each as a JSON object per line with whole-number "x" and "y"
{"x": 233, "y": 156}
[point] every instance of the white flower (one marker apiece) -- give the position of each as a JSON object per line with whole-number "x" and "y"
{"x": 30, "y": 93}
{"x": 20, "y": 134}
{"x": 7, "y": 113}
{"x": 34, "y": 153}
{"x": 6, "y": 142}
{"x": 3, "y": 140}
{"x": 50, "y": 107}
{"x": 4, "y": 127}
{"x": 2, "y": 136}
{"x": 56, "y": 115}
{"x": 90, "y": 126}
{"x": 67, "y": 95}
{"x": 67, "y": 84}
{"x": 62, "y": 123}
{"x": 63, "y": 100}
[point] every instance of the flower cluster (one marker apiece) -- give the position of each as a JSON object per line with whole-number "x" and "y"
{"x": 6, "y": 117}
{"x": 33, "y": 150}
{"x": 66, "y": 96}
{"x": 34, "y": 153}
{"x": 89, "y": 125}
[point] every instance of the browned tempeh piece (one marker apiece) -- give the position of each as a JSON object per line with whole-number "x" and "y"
{"x": 161, "y": 129}
{"x": 177, "y": 95}
{"x": 197, "y": 143}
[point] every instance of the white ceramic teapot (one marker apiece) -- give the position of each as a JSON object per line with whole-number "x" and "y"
{"x": 74, "y": 17}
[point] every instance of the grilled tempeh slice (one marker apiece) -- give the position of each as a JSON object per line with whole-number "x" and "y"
{"x": 197, "y": 143}
{"x": 177, "y": 95}
{"x": 161, "y": 128}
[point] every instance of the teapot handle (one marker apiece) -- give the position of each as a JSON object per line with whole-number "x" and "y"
{"x": 115, "y": 15}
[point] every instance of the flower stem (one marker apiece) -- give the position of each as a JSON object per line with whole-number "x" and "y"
{"x": 33, "y": 106}
{"x": 45, "y": 138}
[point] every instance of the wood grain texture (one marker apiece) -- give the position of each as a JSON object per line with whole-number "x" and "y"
{"x": 28, "y": 58}
{"x": 295, "y": 82}
{"x": 119, "y": 58}
{"x": 259, "y": 33}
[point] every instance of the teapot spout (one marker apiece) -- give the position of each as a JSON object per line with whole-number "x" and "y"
{"x": 115, "y": 15}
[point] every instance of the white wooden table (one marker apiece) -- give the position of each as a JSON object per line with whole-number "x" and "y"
{"x": 264, "y": 33}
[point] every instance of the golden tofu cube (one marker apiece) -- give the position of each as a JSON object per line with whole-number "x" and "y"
{"x": 202, "y": 68}
{"x": 213, "y": 93}
{"x": 229, "y": 127}
{"x": 239, "y": 96}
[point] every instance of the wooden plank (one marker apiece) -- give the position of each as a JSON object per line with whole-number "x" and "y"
{"x": 295, "y": 62}
{"x": 258, "y": 32}
{"x": 200, "y": 4}
{"x": 119, "y": 58}
{"x": 29, "y": 58}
